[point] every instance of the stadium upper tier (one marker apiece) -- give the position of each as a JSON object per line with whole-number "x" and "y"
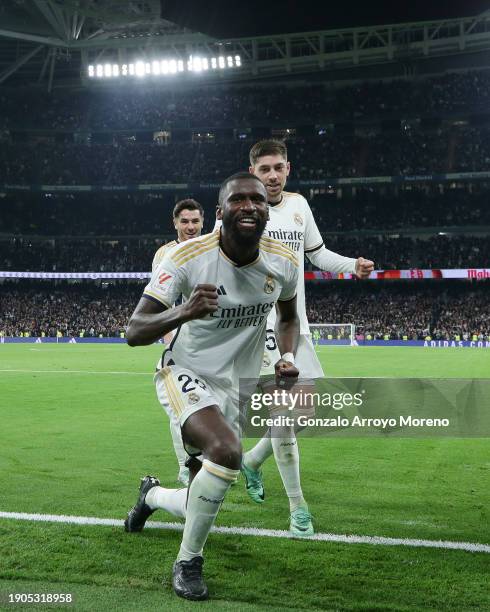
{"x": 320, "y": 157}
{"x": 146, "y": 108}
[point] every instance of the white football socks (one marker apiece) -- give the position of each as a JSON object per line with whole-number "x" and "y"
{"x": 206, "y": 494}
{"x": 256, "y": 456}
{"x": 171, "y": 500}
{"x": 286, "y": 454}
{"x": 180, "y": 453}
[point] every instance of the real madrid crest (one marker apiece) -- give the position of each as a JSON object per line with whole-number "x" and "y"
{"x": 269, "y": 284}
{"x": 298, "y": 219}
{"x": 193, "y": 398}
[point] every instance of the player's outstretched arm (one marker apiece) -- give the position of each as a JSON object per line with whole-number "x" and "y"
{"x": 151, "y": 320}
{"x": 287, "y": 335}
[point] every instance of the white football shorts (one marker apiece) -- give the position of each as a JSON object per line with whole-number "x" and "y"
{"x": 182, "y": 392}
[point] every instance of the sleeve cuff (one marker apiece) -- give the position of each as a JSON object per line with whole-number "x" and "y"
{"x": 313, "y": 249}
{"x": 155, "y": 298}
{"x": 287, "y": 299}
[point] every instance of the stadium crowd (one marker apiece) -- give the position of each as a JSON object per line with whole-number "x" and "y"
{"x": 441, "y": 310}
{"x": 210, "y": 137}
{"x": 126, "y": 255}
{"x": 136, "y": 214}
{"x": 153, "y": 107}
{"x": 372, "y": 153}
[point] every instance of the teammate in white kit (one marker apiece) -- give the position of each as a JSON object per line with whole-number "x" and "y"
{"x": 292, "y": 222}
{"x": 231, "y": 280}
{"x": 188, "y": 218}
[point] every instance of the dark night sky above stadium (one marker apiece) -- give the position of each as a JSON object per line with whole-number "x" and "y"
{"x": 225, "y": 19}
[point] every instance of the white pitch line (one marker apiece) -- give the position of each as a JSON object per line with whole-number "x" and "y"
{"x": 252, "y": 531}
{"x": 78, "y": 372}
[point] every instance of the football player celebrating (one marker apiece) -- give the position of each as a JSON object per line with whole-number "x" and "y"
{"x": 220, "y": 339}
{"x": 290, "y": 221}
{"x": 188, "y": 217}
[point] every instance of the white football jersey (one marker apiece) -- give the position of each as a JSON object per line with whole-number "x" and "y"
{"x": 228, "y": 344}
{"x": 161, "y": 252}
{"x": 292, "y": 223}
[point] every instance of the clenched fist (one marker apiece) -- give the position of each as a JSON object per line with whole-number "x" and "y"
{"x": 202, "y": 301}
{"x": 286, "y": 374}
{"x": 364, "y": 267}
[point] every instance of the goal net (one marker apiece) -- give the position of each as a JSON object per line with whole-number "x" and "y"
{"x": 335, "y": 334}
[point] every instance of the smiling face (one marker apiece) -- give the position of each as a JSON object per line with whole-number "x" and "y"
{"x": 188, "y": 224}
{"x": 243, "y": 210}
{"x": 273, "y": 171}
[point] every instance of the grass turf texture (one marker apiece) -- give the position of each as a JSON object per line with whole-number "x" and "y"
{"x": 76, "y": 443}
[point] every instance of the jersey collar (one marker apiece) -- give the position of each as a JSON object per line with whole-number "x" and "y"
{"x": 277, "y": 204}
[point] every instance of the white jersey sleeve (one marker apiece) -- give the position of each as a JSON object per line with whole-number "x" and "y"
{"x": 290, "y": 283}
{"x": 313, "y": 239}
{"x": 160, "y": 254}
{"x": 316, "y": 251}
{"x": 167, "y": 283}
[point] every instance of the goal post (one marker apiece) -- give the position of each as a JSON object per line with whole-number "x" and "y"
{"x": 334, "y": 334}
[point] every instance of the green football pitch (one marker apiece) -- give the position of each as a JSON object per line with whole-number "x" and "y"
{"x": 80, "y": 424}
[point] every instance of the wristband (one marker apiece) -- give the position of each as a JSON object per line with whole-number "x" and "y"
{"x": 288, "y": 357}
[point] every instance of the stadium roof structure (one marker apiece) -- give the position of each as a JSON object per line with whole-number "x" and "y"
{"x": 51, "y": 43}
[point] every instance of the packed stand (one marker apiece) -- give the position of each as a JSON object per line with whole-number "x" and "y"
{"x": 153, "y": 107}
{"x": 71, "y": 310}
{"x": 412, "y": 152}
{"x": 126, "y": 255}
{"x": 415, "y": 310}
{"x": 136, "y": 214}
{"x": 440, "y": 310}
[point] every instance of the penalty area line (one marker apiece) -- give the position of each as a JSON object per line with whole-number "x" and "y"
{"x": 252, "y": 531}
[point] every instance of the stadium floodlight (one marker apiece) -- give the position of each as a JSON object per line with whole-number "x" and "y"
{"x": 158, "y": 67}
{"x": 139, "y": 69}
{"x": 196, "y": 64}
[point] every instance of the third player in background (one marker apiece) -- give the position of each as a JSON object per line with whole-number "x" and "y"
{"x": 291, "y": 221}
